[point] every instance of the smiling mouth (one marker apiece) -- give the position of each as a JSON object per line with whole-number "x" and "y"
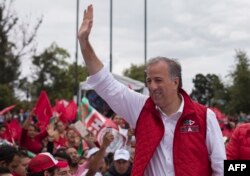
{"x": 157, "y": 95}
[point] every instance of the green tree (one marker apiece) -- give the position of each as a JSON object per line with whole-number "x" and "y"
{"x": 199, "y": 91}
{"x": 136, "y": 72}
{"x": 219, "y": 93}
{"x": 9, "y": 63}
{"x": 239, "y": 91}
{"x": 48, "y": 66}
{"x": 6, "y": 96}
{"x": 12, "y": 49}
{"x": 54, "y": 74}
{"x": 209, "y": 90}
{"x": 64, "y": 83}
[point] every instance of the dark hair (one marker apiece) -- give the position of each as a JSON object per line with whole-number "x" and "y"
{"x": 174, "y": 67}
{"x": 35, "y": 127}
{"x": 61, "y": 153}
{"x": 2, "y": 126}
{"x": 7, "y": 153}
{"x": 109, "y": 158}
{"x": 35, "y": 174}
{"x": 4, "y": 170}
{"x": 23, "y": 152}
{"x": 50, "y": 170}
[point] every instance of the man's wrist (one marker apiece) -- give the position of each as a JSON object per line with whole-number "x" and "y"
{"x": 84, "y": 43}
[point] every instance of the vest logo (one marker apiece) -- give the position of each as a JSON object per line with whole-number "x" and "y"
{"x": 189, "y": 126}
{"x": 236, "y": 167}
{"x": 189, "y": 122}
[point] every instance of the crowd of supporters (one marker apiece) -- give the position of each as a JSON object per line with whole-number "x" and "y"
{"x": 59, "y": 149}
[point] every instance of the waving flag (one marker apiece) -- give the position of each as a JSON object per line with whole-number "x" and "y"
{"x": 71, "y": 111}
{"x": 221, "y": 117}
{"x": 60, "y": 108}
{"x": 43, "y": 110}
{"x": 68, "y": 110}
{"x": 14, "y": 130}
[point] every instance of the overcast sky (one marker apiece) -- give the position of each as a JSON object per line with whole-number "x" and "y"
{"x": 203, "y": 35}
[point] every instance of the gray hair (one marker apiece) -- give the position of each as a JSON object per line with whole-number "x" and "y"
{"x": 174, "y": 67}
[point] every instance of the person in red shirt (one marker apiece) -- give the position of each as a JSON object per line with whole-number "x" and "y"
{"x": 31, "y": 139}
{"x": 238, "y": 147}
{"x": 60, "y": 135}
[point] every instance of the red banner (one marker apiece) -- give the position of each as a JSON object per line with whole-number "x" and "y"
{"x": 68, "y": 110}
{"x": 43, "y": 110}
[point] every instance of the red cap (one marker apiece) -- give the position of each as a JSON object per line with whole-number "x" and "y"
{"x": 44, "y": 161}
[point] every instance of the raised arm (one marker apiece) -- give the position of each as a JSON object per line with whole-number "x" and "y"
{"x": 92, "y": 62}
{"x": 97, "y": 161}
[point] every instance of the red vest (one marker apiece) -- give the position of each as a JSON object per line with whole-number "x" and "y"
{"x": 190, "y": 153}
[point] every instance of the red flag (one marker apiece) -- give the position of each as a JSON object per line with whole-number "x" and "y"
{"x": 7, "y": 109}
{"x": 43, "y": 110}
{"x": 57, "y": 107}
{"x": 68, "y": 110}
{"x": 60, "y": 108}
{"x": 71, "y": 111}
{"x": 14, "y": 130}
{"x": 218, "y": 113}
{"x": 221, "y": 117}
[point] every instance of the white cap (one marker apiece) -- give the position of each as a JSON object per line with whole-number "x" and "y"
{"x": 92, "y": 151}
{"x": 121, "y": 154}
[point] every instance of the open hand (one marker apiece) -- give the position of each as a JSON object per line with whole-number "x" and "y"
{"x": 86, "y": 25}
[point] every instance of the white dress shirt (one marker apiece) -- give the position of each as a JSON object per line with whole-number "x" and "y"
{"x": 128, "y": 104}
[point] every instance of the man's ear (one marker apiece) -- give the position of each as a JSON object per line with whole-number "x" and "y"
{"x": 177, "y": 82}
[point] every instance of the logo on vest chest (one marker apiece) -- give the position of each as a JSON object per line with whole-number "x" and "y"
{"x": 189, "y": 126}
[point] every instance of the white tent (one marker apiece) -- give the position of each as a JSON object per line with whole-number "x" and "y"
{"x": 131, "y": 83}
{"x": 98, "y": 103}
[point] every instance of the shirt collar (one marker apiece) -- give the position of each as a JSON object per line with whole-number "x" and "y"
{"x": 178, "y": 112}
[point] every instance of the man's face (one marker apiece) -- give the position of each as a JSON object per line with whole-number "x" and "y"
{"x": 25, "y": 161}
{"x": 117, "y": 120}
{"x": 62, "y": 171}
{"x": 71, "y": 134}
{"x": 16, "y": 167}
{"x": 160, "y": 84}
{"x": 72, "y": 152}
{"x": 121, "y": 166}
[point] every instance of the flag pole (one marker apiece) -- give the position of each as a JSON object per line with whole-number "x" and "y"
{"x": 145, "y": 38}
{"x": 111, "y": 35}
{"x": 76, "y": 54}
